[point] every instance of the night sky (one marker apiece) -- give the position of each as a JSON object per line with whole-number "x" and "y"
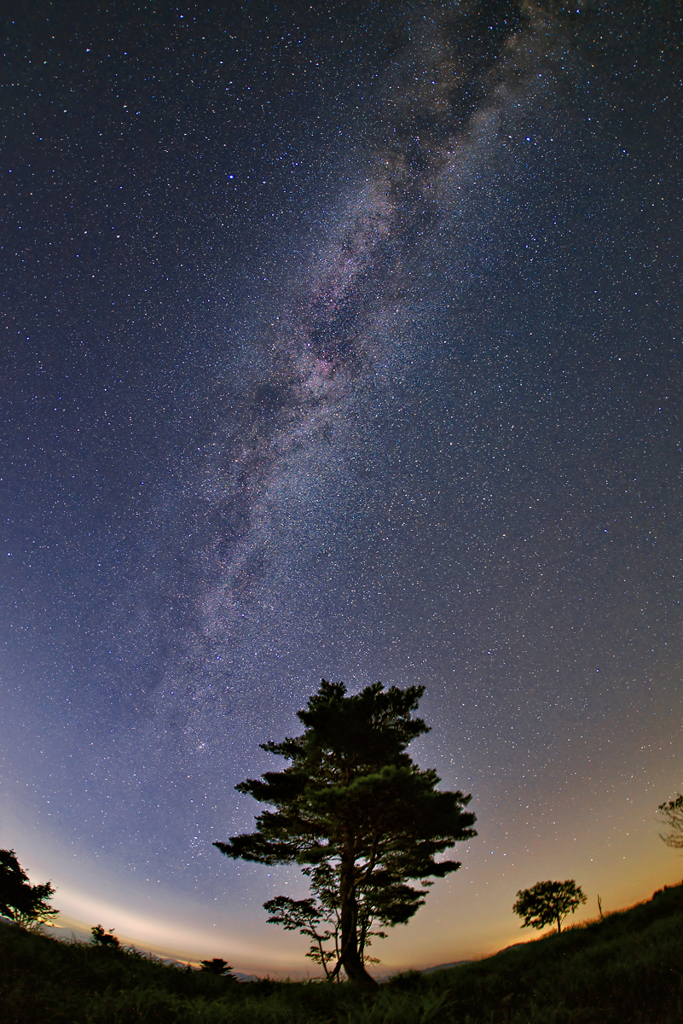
{"x": 338, "y": 340}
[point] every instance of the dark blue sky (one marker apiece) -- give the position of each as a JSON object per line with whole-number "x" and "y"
{"x": 338, "y": 342}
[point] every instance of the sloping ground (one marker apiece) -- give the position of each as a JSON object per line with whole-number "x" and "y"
{"x": 625, "y": 969}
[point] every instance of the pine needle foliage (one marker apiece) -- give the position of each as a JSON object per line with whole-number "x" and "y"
{"x": 354, "y": 809}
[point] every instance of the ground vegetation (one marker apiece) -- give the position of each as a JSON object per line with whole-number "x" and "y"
{"x": 624, "y": 969}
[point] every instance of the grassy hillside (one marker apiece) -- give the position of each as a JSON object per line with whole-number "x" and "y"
{"x": 625, "y": 968}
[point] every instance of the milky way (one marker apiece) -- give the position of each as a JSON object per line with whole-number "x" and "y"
{"x": 341, "y": 344}
{"x": 328, "y": 362}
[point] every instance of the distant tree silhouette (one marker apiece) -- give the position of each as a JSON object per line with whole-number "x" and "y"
{"x": 102, "y": 938}
{"x": 548, "y": 903}
{"x": 672, "y": 813}
{"x": 364, "y": 819}
{"x": 25, "y": 904}
{"x": 216, "y": 966}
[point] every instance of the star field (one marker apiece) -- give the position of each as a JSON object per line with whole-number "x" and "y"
{"x": 338, "y": 342}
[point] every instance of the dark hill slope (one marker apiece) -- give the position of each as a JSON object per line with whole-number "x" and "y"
{"x": 625, "y": 969}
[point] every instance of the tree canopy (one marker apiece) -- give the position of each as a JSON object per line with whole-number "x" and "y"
{"x": 672, "y": 813}
{"x": 359, "y": 815}
{"x": 106, "y": 939}
{"x": 217, "y": 966}
{"x": 548, "y": 903}
{"x": 25, "y": 904}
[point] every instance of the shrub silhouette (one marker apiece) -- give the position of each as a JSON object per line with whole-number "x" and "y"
{"x": 102, "y": 938}
{"x": 216, "y": 966}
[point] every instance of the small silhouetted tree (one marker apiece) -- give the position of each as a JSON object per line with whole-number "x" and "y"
{"x": 216, "y": 966}
{"x": 319, "y": 919}
{"x": 25, "y": 904}
{"x": 359, "y": 814}
{"x": 102, "y": 938}
{"x": 672, "y": 813}
{"x": 309, "y": 918}
{"x": 548, "y": 903}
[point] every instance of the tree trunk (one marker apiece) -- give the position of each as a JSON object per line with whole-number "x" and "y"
{"x": 350, "y": 956}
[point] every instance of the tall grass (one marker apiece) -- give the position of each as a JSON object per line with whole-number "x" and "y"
{"x": 625, "y": 969}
